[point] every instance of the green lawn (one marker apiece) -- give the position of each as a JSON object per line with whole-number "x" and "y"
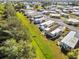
{"x": 39, "y": 54}
{"x": 38, "y": 40}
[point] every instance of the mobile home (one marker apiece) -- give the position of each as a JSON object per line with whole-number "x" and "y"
{"x": 72, "y": 21}
{"x": 55, "y": 15}
{"x": 55, "y": 33}
{"x": 69, "y": 41}
{"x": 46, "y": 24}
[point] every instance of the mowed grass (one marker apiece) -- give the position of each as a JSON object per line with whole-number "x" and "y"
{"x": 38, "y": 40}
{"x": 39, "y": 54}
{"x": 57, "y": 50}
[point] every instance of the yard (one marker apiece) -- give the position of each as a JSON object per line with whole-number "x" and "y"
{"x": 45, "y": 49}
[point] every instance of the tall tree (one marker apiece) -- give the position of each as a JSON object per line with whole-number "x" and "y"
{"x": 9, "y": 9}
{"x": 14, "y": 50}
{"x": 19, "y": 45}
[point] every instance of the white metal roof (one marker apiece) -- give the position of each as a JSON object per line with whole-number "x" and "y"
{"x": 57, "y": 30}
{"x": 40, "y": 19}
{"x": 49, "y": 22}
{"x": 76, "y": 12}
{"x": 30, "y": 11}
{"x": 70, "y": 39}
{"x": 64, "y": 14}
{"x": 45, "y": 11}
{"x": 76, "y": 7}
{"x": 73, "y": 20}
{"x": 57, "y": 15}
{"x": 47, "y": 29}
{"x": 40, "y": 15}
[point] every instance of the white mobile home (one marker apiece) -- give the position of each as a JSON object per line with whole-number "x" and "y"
{"x": 65, "y": 10}
{"x": 45, "y": 12}
{"x": 76, "y": 7}
{"x": 39, "y": 19}
{"x": 29, "y": 12}
{"x": 64, "y": 15}
{"x": 47, "y": 29}
{"x": 76, "y": 13}
{"x": 72, "y": 21}
{"x": 58, "y": 30}
{"x": 55, "y": 15}
{"x": 50, "y": 28}
{"x": 69, "y": 41}
{"x": 56, "y": 33}
{"x": 46, "y": 24}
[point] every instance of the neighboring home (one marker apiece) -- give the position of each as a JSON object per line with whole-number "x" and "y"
{"x": 55, "y": 33}
{"x": 76, "y": 13}
{"x": 29, "y": 12}
{"x": 61, "y": 7}
{"x": 45, "y": 12}
{"x": 52, "y": 12}
{"x": 72, "y": 21}
{"x": 76, "y": 7}
{"x": 27, "y": 5}
{"x": 46, "y": 24}
{"x": 49, "y": 29}
{"x": 64, "y": 15}
{"x": 39, "y": 19}
{"x": 53, "y": 9}
{"x": 55, "y": 15}
{"x": 69, "y": 41}
{"x": 36, "y": 15}
{"x": 22, "y": 10}
{"x": 65, "y": 10}
{"x": 58, "y": 10}
{"x": 72, "y": 10}
{"x": 52, "y": 6}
